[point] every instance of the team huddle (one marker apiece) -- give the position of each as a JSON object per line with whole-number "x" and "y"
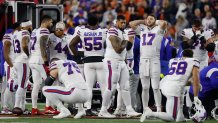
{"x": 106, "y": 56}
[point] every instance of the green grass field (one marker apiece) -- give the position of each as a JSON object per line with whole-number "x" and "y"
{"x": 30, "y": 119}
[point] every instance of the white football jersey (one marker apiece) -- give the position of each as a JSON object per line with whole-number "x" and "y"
{"x": 18, "y": 37}
{"x": 199, "y": 54}
{"x": 70, "y": 37}
{"x": 110, "y": 52}
{"x": 93, "y": 41}
{"x": 150, "y": 41}
{"x": 180, "y": 70}
{"x": 58, "y": 47}
{"x": 9, "y": 37}
{"x": 131, "y": 33}
{"x": 35, "y": 51}
{"x": 69, "y": 74}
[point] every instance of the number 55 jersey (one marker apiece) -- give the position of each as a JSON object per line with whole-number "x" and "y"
{"x": 180, "y": 70}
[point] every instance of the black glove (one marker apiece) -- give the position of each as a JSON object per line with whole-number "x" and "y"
{"x": 210, "y": 47}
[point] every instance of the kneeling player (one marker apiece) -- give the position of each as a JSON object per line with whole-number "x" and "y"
{"x": 74, "y": 90}
{"x": 173, "y": 85}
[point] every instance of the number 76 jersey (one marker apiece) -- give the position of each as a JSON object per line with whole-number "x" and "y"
{"x": 180, "y": 70}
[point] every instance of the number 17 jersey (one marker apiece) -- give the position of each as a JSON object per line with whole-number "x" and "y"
{"x": 150, "y": 41}
{"x": 180, "y": 70}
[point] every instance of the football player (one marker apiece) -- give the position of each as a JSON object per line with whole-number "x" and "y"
{"x": 151, "y": 34}
{"x": 9, "y": 56}
{"x": 93, "y": 39}
{"x": 58, "y": 48}
{"x": 21, "y": 41}
{"x": 199, "y": 40}
{"x": 209, "y": 82}
{"x": 120, "y": 109}
{"x": 116, "y": 68}
{"x": 75, "y": 88}
{"x": 173, "y": 85}
{"x": 38, "y": 58}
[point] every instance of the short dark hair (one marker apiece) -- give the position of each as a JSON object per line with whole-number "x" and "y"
{"x": 45, "y": 18}
{"x": 187, "y": 53}
{"x": 152, "y": 15}
{"x": 16, "y": 25}
{"x": 92, "y": 19}
{"x": 26, "y": 20}
{"x": 196, "y": 23}
{"x": 121, "y": 17}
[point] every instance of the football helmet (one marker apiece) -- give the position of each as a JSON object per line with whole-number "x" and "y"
{"x": 12, "y": 84}
{"x": 198, "y": 113}
{"x": 214, "y": 113}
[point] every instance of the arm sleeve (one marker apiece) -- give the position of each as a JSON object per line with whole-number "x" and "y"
{"x": 44, "y": 31}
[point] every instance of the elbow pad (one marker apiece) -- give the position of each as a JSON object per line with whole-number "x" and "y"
{"x": 129, "y": 45}
{"x": 210, "y": 47}
{"x": 49, "y": 81}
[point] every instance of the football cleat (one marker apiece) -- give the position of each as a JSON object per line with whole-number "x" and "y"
{"x": 146, "y": 114}
{"x": 36, "y": 111}
{"x": 105, "y": 114}
{"x": 62, "y": 114}
{"x": 51, "y": 110}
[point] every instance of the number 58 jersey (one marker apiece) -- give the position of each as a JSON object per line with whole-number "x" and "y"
{"x": 69, "y": 74}
{"x": 93, "y": 40}
{"x": 180, "y": 70}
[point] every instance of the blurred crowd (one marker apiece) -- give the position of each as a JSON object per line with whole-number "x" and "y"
{"x": 179, "y": 13}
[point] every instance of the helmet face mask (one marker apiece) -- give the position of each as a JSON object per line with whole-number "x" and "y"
{"x": 214, "y": 113}
{"x": 198, "y": 113}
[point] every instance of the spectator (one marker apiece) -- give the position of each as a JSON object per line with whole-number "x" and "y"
{"x": 79, "y": 19}
{"x": 165, "y": 11}
{"x": 110, "y": 10}
{"x": 181, "y": 23}
{"x": 197, "y": 14}
{"x": 209, "y": 22}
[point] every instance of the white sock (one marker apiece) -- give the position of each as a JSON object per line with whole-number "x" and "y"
{"x": 19, "y": 95}
{"x": 145, "y": 98}
{"x": 163, "y": 116}
{"x": 47, "y": 103}
{"x": 119, "y": 99}
{"x": 157, "y": 98}
{"x": 8, "y": 101}
{"x": 126, "y": 98}
{"x": 35, "y": 93}
{"x": 107, "y": 97}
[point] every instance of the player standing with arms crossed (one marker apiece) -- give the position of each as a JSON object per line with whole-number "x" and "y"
{"x": 116, "y": 68}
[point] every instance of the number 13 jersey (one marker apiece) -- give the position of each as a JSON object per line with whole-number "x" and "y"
{"x": 180, "y": 70}
{"x": 150, "y": 41}
{"x": 18, "y": 50}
